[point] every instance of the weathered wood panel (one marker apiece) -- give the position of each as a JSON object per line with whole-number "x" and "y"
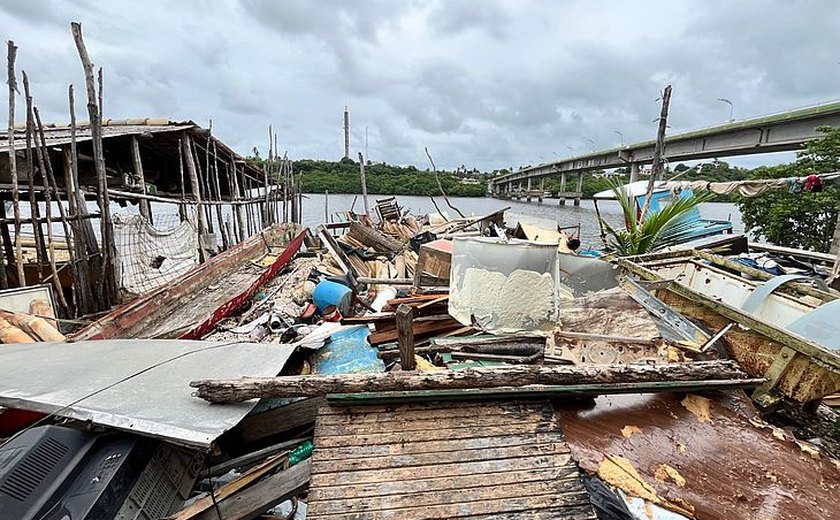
{"x": 444, "y": 460}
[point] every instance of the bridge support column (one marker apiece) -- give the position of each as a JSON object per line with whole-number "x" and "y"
{"x": 528, "y": 194}
{"x": 634, "y": 172}
{"x": 542, "y": 189}
{"x": 578, "y": 188}
{"x": 563, "y": 189}
{"x": 519, "y": 194}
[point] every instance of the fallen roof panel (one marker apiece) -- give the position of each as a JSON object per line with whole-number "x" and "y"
{"x": 140, "y": 386}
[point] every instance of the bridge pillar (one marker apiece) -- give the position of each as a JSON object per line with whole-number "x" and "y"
{"x": 519, "y": 191}
{"x": 634, "y": 172}
{"x": 542, "y": 189}
{"x": 528, "y": 194}
{"x": 563, "y": 189}
{"x": 578, "y": 188}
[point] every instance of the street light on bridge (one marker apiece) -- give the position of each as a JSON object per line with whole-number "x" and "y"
{"x": 620, "y": 137}
{"x": 731, "y": 108}
{"x": 593, "y": 143}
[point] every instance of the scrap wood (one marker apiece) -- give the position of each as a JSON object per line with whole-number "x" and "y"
{"x": 422, "y": 326}
{"x": 238, "y": 390}
{"x": 262, "y": 496}
{"x": 250, "y": 458}
{"x": 9, "y": 334}
{"x": 373, "y": 238}
{"x": 247, "y": 478}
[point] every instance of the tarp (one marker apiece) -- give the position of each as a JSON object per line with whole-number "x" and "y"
{"x": 140, "y": 386}
{"x": 148, "y": 257}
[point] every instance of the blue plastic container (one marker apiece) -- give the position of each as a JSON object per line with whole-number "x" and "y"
{"x": 332, "y": 293}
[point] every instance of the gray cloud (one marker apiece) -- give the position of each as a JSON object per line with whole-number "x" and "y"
{"x": 493, "y": 83}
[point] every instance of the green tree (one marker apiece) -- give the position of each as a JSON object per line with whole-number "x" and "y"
{"x": 803, "y": 220}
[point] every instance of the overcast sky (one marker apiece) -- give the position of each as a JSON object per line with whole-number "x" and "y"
{"x": 483, "y": 83}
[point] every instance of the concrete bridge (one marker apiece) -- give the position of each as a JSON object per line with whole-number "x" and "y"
{"x": 782, "y": 132}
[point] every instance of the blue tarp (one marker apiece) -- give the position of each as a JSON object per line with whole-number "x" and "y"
{"x": 348, "y": 353}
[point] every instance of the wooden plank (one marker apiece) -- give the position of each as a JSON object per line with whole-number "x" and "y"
{"x": 435, "y": 446}
{"x": 446, "y": 457}
{"x": 503, "y": 478}
{"x": 481, "y": 490}
{"x": 399, "y": 409}
{"x": 442, "y": 470}
{"x": 262, "y": 496}
{"x": 468, "y": 508}
{"x": 552, "y": 391}
{"x": 405, "y": 437}
{"x": 262, "y": 425}
{"x": 472, "y": 416}
{"x": 451, "y": 422}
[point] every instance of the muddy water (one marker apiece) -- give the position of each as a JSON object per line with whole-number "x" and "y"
{"x": 313, "y": 210}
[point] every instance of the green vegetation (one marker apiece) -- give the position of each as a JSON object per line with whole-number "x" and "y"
{"x": 343, "y": 177}
{"x": 805, "y": 219}
{"x": 664, "y": 228}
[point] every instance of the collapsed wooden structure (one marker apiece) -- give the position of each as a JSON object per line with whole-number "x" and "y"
{"x": 63, "y": 185}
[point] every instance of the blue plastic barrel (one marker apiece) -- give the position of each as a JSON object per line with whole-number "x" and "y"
{"x": 332, "y": 293}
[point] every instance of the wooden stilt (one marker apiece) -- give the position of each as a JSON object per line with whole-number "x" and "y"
{"x": 215, "y": 183}
{"x": 182, "y": 207}
{"x": 12, "y": 82}
{"x": 145, "y": 208}
{"x": 43, "y": 159}
{"x": 34, "y": 210}
{"x": 109, "y": 292}
{"x": 196, "y": 192}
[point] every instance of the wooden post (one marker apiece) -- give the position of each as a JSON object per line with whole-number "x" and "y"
{"x": 89, "y": 247}
{"x": 41, "y": 151}
{"x": 327, "y": 206}
{"x": 34, "y": 210}
{"x": 203, "y": 186}
{"x": 13, "y": 162}
{"x": 226, "y": 243}
{"x": 236, "y": 195}
{"x": 145, "y": 208}
{"x": 656, "y": 167}
{"x": 405, "y": 332}
{"x": 196, "y": 192}
{"x": 364, "y": 183}
{"x": 108, "y": 272}
{"x": 182, "y": 207}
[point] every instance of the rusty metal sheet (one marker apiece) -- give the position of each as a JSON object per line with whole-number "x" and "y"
{"x": 707, "y": 457}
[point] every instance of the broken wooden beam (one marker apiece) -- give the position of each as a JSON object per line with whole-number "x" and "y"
{"x": 374, "y": 239}
{"x": 238, "y": 390}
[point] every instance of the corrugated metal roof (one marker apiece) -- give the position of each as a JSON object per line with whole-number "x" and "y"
{"x": 57, "y": 135}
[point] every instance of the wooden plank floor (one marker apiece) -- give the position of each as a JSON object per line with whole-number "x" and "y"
{"x": 498, "y": 459}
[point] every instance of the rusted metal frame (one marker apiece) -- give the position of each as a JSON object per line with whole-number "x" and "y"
{"x": 765, "y": 394}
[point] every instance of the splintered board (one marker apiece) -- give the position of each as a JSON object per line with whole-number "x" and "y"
{"x": 494, "y": 459}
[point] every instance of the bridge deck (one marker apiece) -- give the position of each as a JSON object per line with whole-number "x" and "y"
{"x": 503, "y": 459}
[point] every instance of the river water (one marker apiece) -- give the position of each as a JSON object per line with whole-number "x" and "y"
{"x": 548, "y": 210}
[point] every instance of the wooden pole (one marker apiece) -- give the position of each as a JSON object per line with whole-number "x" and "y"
{"x": 222, "y": 231}
{"x": 656, "y": 167}
{"x": 108, "y": 249}
{"x": 364, "y": 183}
{"x": 182, "y": 207}
{"x": 203, "y": 186}
{"x": 326, "y": 206}
{"x": 12, "y": 53}
{"x": 92, "y": 284}
{"x": 238, "y": 390}
{"x": 34, "y": 210}
{"x": 41, "y": 150}
{"x": 237, "y": 197}
{"x": 196, "y": 192}
{"x": 145, "y": 208}
{"x": 405, "y": 334}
